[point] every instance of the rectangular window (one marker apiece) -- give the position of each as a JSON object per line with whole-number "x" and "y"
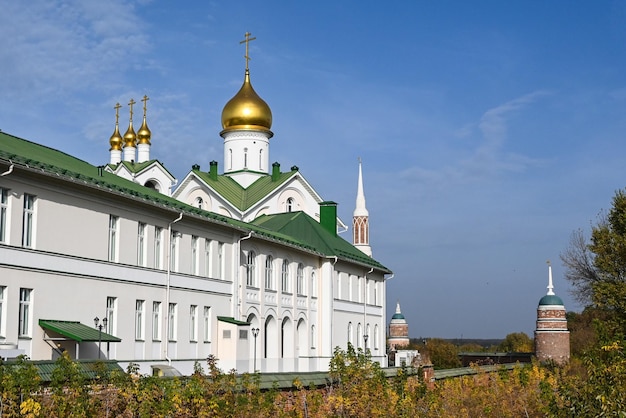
{"x": 29, "y": 221}
{"x": 158, "y": 248}
{"x": 193, "y": 324}
{"x": 156, "y": 321}
{"x": 171, "y": 330}
{"x": 269, "y": 272}
{"x": 207, "y": 258}
{"x": 284, "y": 274}
{"x": 174, "y": 250}
{"x": 4, "y": 212}
{"x": 220, "y": 260}
{"x": 139, "y": 319}
{"x": 194, "y": 255}
{"x": 141, "y": 244}
{"x": 243, "y": 334}
{"x": 113, "y": 221}
{"x": 300, "y": 280}
{"x": 24, "y": 314}
{"x": 250, "y": 269}
{"x": 3, "y": 291}
{"x": 110, "y": 314}
{"x": 207, "y": 324}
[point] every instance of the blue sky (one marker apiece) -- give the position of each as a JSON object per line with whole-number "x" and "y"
{"x": 488, "y": 130}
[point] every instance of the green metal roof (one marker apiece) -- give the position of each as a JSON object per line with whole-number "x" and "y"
{"x": 304, "y": 229}
{"x": 135, "y": 167}
{"x": 53, "y": 162}
{"x": 551, "y": 300}
{"x": 90, "y": 369}
{"x": 239, "y": 197}
{"x": 231, "y": 320}
{"x": 295, "y": 229}
{"x": 77, "y": 331}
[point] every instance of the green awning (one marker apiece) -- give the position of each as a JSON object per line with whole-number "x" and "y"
{"x": 77, "y": 331}
{"x": 232, "y": 320}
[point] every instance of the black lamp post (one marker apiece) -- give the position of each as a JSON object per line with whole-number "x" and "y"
{"x": 365, "y": 337}
{"x": 255, "y": 333}
{"x": 99, "y": 325}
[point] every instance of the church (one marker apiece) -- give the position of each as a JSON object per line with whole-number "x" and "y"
{"x": 243, "y": 262}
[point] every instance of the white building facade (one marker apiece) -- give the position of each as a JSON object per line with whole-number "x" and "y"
{"x": 265, "y": 285}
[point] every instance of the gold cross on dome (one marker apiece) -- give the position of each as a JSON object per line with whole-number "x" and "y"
{"x": 131, "y": 103}
{"x": 145, "y": 100}
{"x": 117, "y": 108}
{"x": 247, "y": 42}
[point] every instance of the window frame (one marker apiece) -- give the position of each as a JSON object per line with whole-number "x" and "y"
{"x": 284, "y": 277}
{"x": 28, "y": 221}
{"x": 4, "y": 215}
{"x": 156, "y": 321}
{"x": 269, "y": 272}
{"x": 24, "y": 315}
{"x": 140, "y": 320}
{"x": 251, "y": 269}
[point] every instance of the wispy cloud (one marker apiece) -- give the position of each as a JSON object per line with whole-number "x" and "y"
{"x": 69, "y": 45}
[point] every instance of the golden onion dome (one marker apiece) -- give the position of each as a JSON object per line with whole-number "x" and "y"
{"x": 144, "y": 134}
{"x": 116, "y": 140}
{"x": 130, "y": 138}
{"x": 246, "y": 110}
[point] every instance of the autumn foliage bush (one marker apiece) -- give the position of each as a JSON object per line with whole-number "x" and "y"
{"x": 357, "y": 387}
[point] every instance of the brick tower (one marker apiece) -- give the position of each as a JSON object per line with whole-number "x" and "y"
{"x": 398, "y": 330}
{"x": 551, "y": 335}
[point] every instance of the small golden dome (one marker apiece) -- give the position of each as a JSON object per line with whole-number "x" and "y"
{"x": 130, "y": 138}
{"x": 144, "y": 134}
{"x": 116, "y": 140}
{"x": 246, "y": 110}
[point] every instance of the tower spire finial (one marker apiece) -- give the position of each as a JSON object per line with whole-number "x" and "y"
{"x": 247, "y": 42}
{"x": 145, "y": 107}
{"x": 117, "y": 108}
{"x": 131, "y": 103}
{"x": 550, "y": 285}
{"x": 360, "y": 219}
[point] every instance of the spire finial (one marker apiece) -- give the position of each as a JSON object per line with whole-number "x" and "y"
{"x": 117, "y": 108}
{"x": 131, "y": 103}
{"x": 550, "y": 285}
{"x": 145, "y": 100}
{"x": 247, "y": 42}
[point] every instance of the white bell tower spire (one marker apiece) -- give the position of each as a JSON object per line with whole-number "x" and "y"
{"x": 360, "y": 219}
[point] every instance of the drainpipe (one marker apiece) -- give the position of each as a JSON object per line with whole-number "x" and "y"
{"x": 165, "y": 335}
{"x": 238, "y": 276}
{"x": 365, "y": 306}
{"x": 9, "y": 171}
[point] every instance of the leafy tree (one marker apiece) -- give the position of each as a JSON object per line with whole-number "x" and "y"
{"x": 597, "y": 269}
{"x": 516, "y": 342}
{"x": 442, "y": 354}
{"x": 580, "y": 270}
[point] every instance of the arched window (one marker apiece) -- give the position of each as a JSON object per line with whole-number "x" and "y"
{"x": 376, "y": 337}
{"x": 284, "y": 274}
{"x": 313, "y": 336}
{"x": 269, "y": 272}
{"x": 153, "y": 185}
{"x": 245, "y": 158}
{"x": 250, "y": 268}
{"x": 349, "y": 332}
{"x": 313, "y": 290}
{"x": 290, "y": 204}
{"x": 260, "y": 160}
{"x": 359, "y": 336}
{"x": 230, "y": 159}
{"x": 300, "y": 279}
